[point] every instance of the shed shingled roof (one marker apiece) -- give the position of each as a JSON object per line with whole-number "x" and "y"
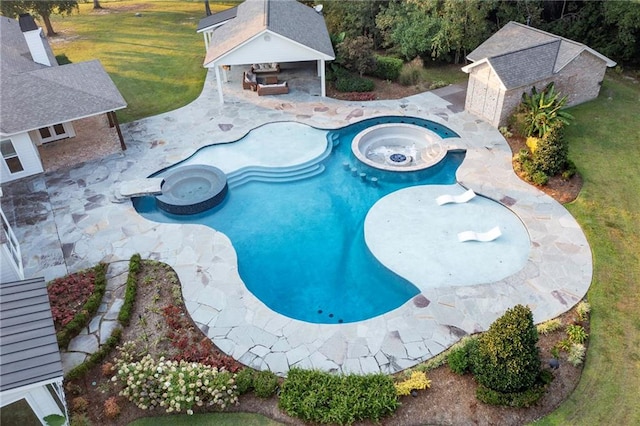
{"x": 288, "y": 18}
{"x": 515, "y": 36}
{"x": 524, "y": 66}
{"x": 35, "y": 95}
{"x": 29, "y": 352}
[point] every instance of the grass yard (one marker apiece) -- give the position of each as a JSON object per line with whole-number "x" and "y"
{"x": 218, "y": 419}
{"x": 605, "y": 145}
{"x": 155, "y": 59}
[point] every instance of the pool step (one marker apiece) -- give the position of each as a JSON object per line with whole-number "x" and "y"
{"x": 239, "y": 178}
{"x": 296, "y": 172}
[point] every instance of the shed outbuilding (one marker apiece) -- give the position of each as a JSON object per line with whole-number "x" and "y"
{"x": 519, "y": 57}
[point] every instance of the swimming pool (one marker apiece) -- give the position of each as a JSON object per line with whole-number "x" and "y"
{"x": 298, "y": 228}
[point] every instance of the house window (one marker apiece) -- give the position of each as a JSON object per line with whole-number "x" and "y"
{"x": 19, "y": 413}
{"x": 10, "y": 156}
{"x": 57, "y": 394}
{"x": 54, "y": 133}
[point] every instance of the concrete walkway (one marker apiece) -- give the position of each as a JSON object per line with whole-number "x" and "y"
{"x": 73, "y": 225}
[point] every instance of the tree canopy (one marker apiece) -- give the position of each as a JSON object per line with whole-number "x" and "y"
{"x": 38, "y": 8}
{"x": 447, "y": 30}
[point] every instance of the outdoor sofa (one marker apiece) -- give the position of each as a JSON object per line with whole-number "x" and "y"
{"x": 273, "y": 89}
{"x": 272, "y": 67}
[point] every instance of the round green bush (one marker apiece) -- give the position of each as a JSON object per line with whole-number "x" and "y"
{"x": 265, "y": 384}
{"x": 539, "y": 178}
{"x": 506, "y": 358}
{"x": 244, "y": 380}
{"x": 459, "y": 359}
{"x": 387, "y": 68}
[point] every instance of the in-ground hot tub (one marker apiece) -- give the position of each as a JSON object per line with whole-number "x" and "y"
{"x": 398, "y": 147}
{"x": 192, "y": 189}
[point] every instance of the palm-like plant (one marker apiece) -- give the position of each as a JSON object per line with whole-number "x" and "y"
{"x": 544, "y": 110}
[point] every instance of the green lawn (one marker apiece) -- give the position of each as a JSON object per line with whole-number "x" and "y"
{"x": 218, "y": 419}
{"x": 154, "y": 59}
{"x": 605, "y": 144}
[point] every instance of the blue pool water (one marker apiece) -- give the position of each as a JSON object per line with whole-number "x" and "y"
{"x": 300, "y": 243}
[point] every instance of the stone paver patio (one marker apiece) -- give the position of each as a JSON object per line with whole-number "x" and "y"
{"x": 66, "y": 221}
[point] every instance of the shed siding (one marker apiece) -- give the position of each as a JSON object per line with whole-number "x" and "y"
{"x": 581, "y": 79}
{"x": 484, "y": 94}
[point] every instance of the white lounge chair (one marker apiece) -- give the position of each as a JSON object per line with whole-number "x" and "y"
{"x": 461, "y": 198}
{"x": 484, "y": 237}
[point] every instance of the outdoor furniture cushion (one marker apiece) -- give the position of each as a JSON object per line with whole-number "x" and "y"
{"x": 249, "y": 81}
{"x": 265, "y": 68}
{"x": 273, "y": 89}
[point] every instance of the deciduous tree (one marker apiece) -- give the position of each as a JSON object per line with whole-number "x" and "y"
{"x": 42, "y": 9}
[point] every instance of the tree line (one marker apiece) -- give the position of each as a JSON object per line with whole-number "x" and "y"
{"x": 445, "y": 30}
{"x": 448, "y": 30}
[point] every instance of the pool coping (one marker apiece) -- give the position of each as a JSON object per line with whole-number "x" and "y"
{"x": 91, "y": 229}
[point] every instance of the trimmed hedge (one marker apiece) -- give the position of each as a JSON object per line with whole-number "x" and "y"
{"x": 353, "y": 83}
{"x": 113, "y": 340}
{"x": 88, "y": 310}
{"x": 387, "y": 68}
{"x": 96, "y": 357}
{"x": 315, "y": 396}
{"x": 130, "y": 293}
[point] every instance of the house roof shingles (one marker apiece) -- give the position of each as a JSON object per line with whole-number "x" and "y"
{"x": 217, "y": 18}
{"x": 35, "y": 95}
{"x": 526, "y": 49}
{"x": 29, "y": 351}
{"x": 288, "y": 18}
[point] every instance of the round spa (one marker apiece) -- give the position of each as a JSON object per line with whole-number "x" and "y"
{"x": 398, "y": 147}
{"x": 192, "y": 189}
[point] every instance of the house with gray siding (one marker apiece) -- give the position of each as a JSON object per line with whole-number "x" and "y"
{"x": 41, "y": 100}
{"x": 30, "y": 365}
{"x": 519, "y": 57}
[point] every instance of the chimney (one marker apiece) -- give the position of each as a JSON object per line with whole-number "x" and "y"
{"x": 35, "y": 39}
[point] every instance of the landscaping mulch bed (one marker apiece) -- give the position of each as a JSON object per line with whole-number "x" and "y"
{"x": 450, "y": 400}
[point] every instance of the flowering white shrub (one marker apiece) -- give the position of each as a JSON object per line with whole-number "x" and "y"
{"x": 175, "y": 386}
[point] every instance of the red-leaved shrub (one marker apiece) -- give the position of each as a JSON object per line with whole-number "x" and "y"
{"x": 68, "y": 294}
